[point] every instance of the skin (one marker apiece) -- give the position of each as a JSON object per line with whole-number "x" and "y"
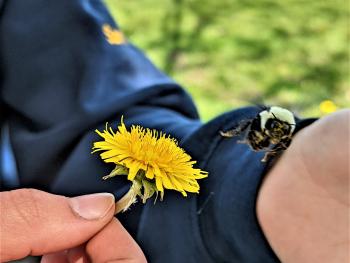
{"x": 80, "y": 229}
{"x": 303, "y": 204}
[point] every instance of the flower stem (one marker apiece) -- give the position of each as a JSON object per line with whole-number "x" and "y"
{"x": 125, "y": 202}
{"x": 129, "y": 198}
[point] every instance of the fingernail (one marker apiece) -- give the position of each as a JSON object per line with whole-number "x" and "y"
{"x": 94, "y": 206}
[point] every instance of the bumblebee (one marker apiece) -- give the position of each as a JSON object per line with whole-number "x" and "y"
{"x": 270, "y": 131}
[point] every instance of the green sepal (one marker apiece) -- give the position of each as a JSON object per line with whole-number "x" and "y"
{"x": 118, "y": 170}
{"x": 136, "y": 187}
{"x": 149, "y": 189}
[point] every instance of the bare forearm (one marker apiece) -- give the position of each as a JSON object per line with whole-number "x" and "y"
{"x": 303, "y": 205}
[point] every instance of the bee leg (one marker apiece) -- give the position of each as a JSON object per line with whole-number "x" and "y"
{"x": 229, "y": 133}
{"x": 268, "y": 155}
{"x": 285, "y": 142}
{"x": 236, "y": 131}
{"x": 281, "y": 146}
{"x": 274, "y": 151}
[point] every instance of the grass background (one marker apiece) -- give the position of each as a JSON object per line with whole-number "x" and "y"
{"x": 230, "y": 53}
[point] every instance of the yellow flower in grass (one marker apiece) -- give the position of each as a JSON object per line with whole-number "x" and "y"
{"x": 150, "y": 159}
{"x": 327, "y": 106}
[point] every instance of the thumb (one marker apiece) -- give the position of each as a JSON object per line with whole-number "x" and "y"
{"x": 34, "y": 222}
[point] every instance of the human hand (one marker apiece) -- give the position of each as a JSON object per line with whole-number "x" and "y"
{"x": 303, "y": 204}
{"x": 63, "y": 229}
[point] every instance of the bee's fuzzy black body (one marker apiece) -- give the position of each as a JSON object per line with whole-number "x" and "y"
{"x": 271, "y": 131}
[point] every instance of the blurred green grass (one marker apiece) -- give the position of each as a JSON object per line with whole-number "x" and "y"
{"x": 230, "y": 53}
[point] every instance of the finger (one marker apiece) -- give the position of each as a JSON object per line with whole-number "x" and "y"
{"x": 78, "y": 255}
{"x": 57, "y": 257}
{"x": 36, "y": 223}
{"x": 73, "y": 255}
{"x": 115, "y": 244}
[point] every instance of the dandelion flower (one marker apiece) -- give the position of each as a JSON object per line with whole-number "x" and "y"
{"x": 327, "y": 106}
{"x": 151, "y": 160}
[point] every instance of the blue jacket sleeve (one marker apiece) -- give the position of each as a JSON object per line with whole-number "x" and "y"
{"x": 61, "y": 79}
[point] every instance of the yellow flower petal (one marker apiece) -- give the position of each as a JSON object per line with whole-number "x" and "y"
{"x": 150, "y": 173}
{"x": 155, "y": 154}
{"x": 133, "y": 169}
{"x": 159, "y": 184}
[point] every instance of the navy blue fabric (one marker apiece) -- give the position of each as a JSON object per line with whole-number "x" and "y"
{"x": 220, "y": 224}
{"x": 61, "y": 79}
